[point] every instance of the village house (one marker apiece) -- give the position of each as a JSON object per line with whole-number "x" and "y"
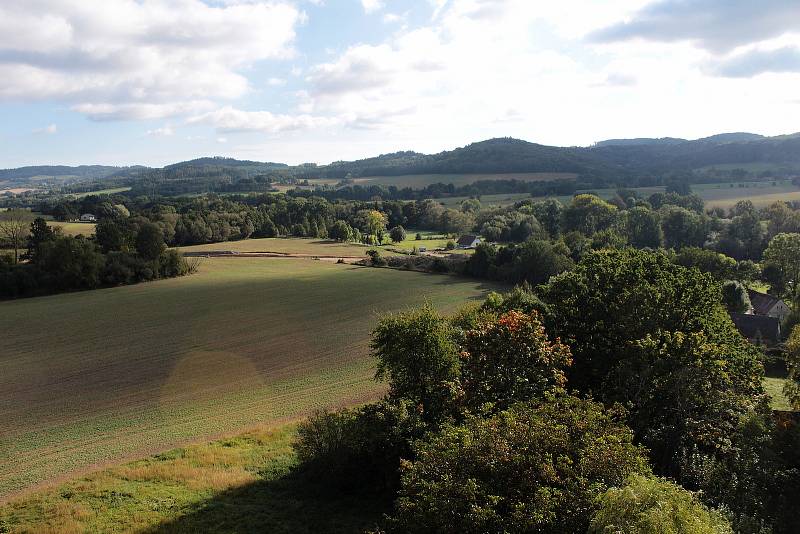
{"x": 468, "y": 241}
{"x": 768, "y": 305}
{"x": 88, "y": 218}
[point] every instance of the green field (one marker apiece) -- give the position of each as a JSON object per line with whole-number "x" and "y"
{"x": 239, "y": 484}
{"x": 110, "y": 191}
{"x": 98, "y": 376}
{"x": 418, "y": 181}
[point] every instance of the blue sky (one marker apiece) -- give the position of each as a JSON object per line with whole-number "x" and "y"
{"x": 157, "y": 81}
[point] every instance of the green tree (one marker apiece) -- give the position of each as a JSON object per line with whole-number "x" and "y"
{"x": 15, "y": 225}
{"x": 510, "y": 359}
{"x": 588, "y": 214}
{"x": 683, "y": 228}
{"x": 643, "y": 228}
{"x": 40, "y": 233}
{"x": 340, "y": 231}
{"x": 417, "y": 353}
{"x": 782, "y": 265}
{"x": 150, "y": 242}
{"x": 649, "y": 505}
{"x": 398, "y": 234}
{"x": 532, "y": 468}
{"x": 792, "y": 387}
{"x": 735, "y": 297}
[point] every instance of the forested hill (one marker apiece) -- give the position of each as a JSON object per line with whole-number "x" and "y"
{"x": 619, "y": 156}
{"x": 83, "y": 171}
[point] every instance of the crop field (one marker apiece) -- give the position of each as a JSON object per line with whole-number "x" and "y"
{"x": 74, "y": 228}
{"x": 96, "y": 377}
{"x": 418, "y": 181}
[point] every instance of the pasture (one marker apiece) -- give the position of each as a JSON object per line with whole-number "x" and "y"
{"x": 286, "y": 246}
{"x": 98, "y": 192}
{"x": 99, "y": 376}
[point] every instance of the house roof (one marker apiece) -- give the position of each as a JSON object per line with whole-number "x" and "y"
{"x": 751, "y": 325}
{"x": 467, "y": 239}
{"x": 762, "y": 303}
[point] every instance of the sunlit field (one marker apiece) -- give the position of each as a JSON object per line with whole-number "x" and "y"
{"x": 98, "y": 376}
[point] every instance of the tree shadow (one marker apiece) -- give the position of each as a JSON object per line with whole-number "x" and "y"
{"x": 288, "y": 504}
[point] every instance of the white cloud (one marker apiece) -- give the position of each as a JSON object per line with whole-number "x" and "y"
{"x": 164, "y": 131}
{"x": 276, "y": 82}
{"x": 371, "y": 6}
{"x": 50, "y": 129}
{"x": 222, "y": 140}
{"x": 140, "y": 56}
{"x": 231, "y": 120}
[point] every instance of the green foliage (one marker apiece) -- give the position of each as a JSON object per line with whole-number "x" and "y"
{"x": 398, "y": 234}
{"x": 782, "y": 265}
{"x": 588, "y": 214}
{"x": 649, "y": 505}
{"x": 792, "y": 388}
{"x": 650, "y": 333}
{"x": 509, "y": 360}
{"x": 417, "y": 354}
{"x": 720, "y": 266}
{"x": 683, "y": 228}
{"x": 735, "y": 297}
{"x": 643, "y": 228}
{"x": 532, "y": 468}
{"x": 150, "y": 242}
{"x": 375, "y": 258}
{"x": 40, "y": 233}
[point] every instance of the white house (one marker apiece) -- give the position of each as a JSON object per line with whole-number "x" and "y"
{"x": 88, "y": 218}
{"x": 768, "y": 305}
{"x": 468, "y": 241}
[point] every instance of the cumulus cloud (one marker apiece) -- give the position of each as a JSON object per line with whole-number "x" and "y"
{"x": 716, "y": 25}
{"x": 137, "y": 59}
{"x": 758, "y": 61}
{"x": 232, "y": 120}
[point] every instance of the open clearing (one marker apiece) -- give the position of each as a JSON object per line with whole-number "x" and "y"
{"x": 286, "y": 246}
{"x": 110, "y": 191}
{"x": 98, "y": 376}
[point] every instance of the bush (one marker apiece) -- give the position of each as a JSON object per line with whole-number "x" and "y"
{"x": 375, "y": 258}
{"x": 533, "y": 468}
{"x": 649, "y": 505}
{"x": 359, "y": 450}
{"x": 451, "y": 245}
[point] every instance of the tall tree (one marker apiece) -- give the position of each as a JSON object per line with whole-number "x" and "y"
{"x": 14, "y": 229}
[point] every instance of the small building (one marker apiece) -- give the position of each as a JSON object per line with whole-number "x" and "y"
{"x": 422, "y": 249}
{"x": 758, "y": 329}
{"x": 468, "y": 241}
{"x": 88, "y": 218}
{"x": 768, "y": 305}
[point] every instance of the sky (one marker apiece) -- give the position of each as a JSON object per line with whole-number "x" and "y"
{"x": 152, "y": 82}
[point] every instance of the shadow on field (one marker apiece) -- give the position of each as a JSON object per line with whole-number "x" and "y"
{"x": 289, "y": 504}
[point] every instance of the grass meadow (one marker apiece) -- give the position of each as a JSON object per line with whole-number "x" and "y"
{"x": 96, "y": 377}
{"x": 74, "y": 228}
{"x": 241, "y": 484}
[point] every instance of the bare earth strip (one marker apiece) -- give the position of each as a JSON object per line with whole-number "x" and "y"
{"x": 92, "y": 377}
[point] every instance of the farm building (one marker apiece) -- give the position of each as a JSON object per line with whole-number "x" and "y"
{"x": 768, "y": 305}
{"x": 88, "y": 217}
{"x": 758, "y": 329}
{"x": 468, "y": 241}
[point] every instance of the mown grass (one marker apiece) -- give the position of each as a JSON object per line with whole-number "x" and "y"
{"x": 98, "y": 376}
{"x": 110, "y": 191}
{"x": 774, "y": 388}
{"x": 247, "y": 483}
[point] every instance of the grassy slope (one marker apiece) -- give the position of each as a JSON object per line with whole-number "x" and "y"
{"x": 289, "y": 246}
{"x": 240, "y": 484}
{"x": 117, "y": 373}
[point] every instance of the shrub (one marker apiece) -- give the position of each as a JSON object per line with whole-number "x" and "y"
{"x": 649, "y": 505}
